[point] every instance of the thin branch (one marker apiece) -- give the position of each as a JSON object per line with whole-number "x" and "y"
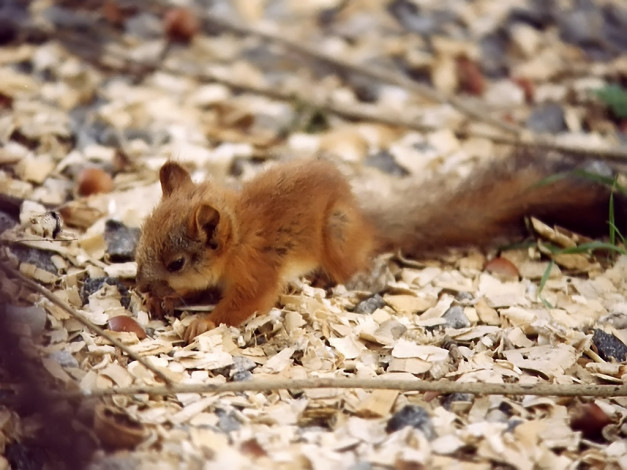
{"x": 417, "y": 385}
{"x": 361, "y": 113}
{"x": 352, "y": 112}
{"x": 32, "y": 285}
{"x": 471, "y": 110}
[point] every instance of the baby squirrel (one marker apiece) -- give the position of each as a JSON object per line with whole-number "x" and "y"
{"x": 302, "y": 216}
{"x": 290, "y": 220}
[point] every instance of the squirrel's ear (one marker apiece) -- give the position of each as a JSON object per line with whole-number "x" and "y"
{"x": 205, "y": 221}
{"x": 173, "y": 176}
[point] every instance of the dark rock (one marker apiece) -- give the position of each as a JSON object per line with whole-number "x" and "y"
{"x": 616, "y": 26}
{"x": 40, "y": 258}
{"x": 242, "y": 376}
{"x": 537, "y": 13}
{"x": 223, "y": 371}
{"x": 85, "y": 129}
{"x": 464, "y": 297}
{"x": 493, "y": 57}
{"x": 599, "y": 33}
{"x": 142, "y": 134}
{"x": 456, "y": 397}
{"x": 365, "y": 92}
{"x": 384, "y": 161}
{"x": 609, "y": 346}
{"x": 95, "y": 284}
{"x": 121, "y": 241}
{"x": 370, "y": 304}
{"x": 548, "y": 118}
{"x": 456, "y": 318}
{"x": 227, "y": 421}
{"x": 144, "y": 25}
{"x": 582, "y": 25}
{"x": 506, "y": 408}
{"x": 411, "y": 415}
{"x": 418, "y": 20}
{"x": 243, "y": 363}
{"x": 67, "y": 18}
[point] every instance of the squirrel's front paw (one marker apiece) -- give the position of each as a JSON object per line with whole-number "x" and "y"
{"x": 197, "y": 327}
{"x": 159, "y": 307}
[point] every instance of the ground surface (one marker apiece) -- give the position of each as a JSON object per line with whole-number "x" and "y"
{"x": 415, "y": 89}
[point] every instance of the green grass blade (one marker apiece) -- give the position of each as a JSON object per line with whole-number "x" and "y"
{"x": 545, "y": 278}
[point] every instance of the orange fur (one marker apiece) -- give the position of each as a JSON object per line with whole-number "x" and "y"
{"x": 291, "y": 220}
{"x": 301, "y": 216}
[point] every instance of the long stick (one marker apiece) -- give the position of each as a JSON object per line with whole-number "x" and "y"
{"x": 417, "y": 385}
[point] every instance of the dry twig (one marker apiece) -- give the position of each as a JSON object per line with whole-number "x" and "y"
{"x": 362, "y": 113}
{"x": 267, "y": 385}
{"x": 84, "y": 321}
{"x": 355, "y": 112}
{"x": 473, "y": 110}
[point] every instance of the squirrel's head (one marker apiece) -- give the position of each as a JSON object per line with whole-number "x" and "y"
{"x": 182, "y": 242}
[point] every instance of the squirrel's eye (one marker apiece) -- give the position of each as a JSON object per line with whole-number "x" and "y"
{"x": 176, "y": 265}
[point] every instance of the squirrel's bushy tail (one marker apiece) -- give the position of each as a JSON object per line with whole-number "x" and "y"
{"x": 490, "y": 205}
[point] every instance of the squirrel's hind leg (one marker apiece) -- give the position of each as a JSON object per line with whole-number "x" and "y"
{"x": 348, "y": 243}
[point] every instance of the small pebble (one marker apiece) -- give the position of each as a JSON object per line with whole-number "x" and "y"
{"x": 411, "y": 415}
{"x": 121, "y": 241}
{"x": 609, "y": 346}
{"x": 242, "y": 376}
{"x": 95, "y": 284}
{"x": 465, "y": 298}
{"x": 547, "y": 118}
{"x": 370, "y": 304}
{"x": 456, "y": 318}
{"x": 456, "y": 397}
{"x": 419, "y": 20}
{"x": 144, "y": 25}
{"x": 384, "y": 161}
{"x": 227, "y": 421}
{"x": 243, "y": 363}
{"x": 537, "y": 14}
{"x": 493, "y": 58}
{"x": 40, "y": 258}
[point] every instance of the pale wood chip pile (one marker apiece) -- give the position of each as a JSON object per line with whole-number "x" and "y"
{"x": 95, "y": 96}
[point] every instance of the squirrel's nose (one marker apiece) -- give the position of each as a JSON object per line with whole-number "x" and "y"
{"x": 141, "y": 283}
{"x": 158, "y": 288}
